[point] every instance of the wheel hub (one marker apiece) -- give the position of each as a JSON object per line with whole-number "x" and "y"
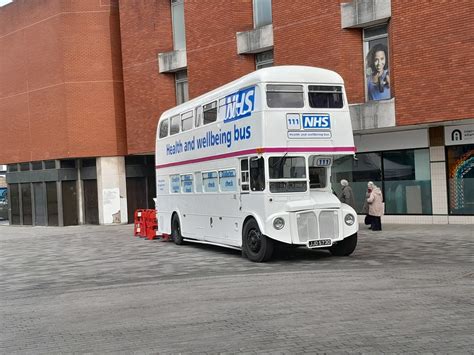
{"x": 254, "y": 241}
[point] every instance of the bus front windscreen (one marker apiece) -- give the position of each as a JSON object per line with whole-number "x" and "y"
{"x": 287, "y": 174}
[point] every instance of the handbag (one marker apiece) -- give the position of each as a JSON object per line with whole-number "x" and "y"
{"x": 367, "y": 220}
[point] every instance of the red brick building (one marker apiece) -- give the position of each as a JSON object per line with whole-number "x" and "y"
{"x": 86, "y": 81}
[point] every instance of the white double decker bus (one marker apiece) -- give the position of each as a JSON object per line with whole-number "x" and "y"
{"x": 248, "y": 165}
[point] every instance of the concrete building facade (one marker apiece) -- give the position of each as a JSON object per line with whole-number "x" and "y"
{"x": 86, "y": 81}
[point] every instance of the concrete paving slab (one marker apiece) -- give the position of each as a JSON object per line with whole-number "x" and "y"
{"x": 98, "y": 289}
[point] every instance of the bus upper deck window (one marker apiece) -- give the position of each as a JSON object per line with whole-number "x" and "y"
{"x": 198, "y": 117}
{"x": 187, "y": 121}
{"x": 210, "y": 112}
{"x": 164, "y": 128}
{"x": 175, "y": 123}
{"x": 285, "y": 96}
{"x": 325, "y": 96}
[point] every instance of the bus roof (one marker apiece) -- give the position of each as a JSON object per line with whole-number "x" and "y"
{"x": 279, "y": 74}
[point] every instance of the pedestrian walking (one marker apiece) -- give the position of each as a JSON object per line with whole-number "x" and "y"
{"x": 347, "y": 196}
{"x": 376, "y": 206}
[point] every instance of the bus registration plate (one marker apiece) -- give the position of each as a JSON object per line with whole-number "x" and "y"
{"x": 318, "y": 243}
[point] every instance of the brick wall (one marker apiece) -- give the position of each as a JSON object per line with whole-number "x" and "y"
{"x": 61, "y": 77}
{"x": 433, "y": 65}
{"x": 309, "y": 33}
{"x": 211, "y": 43}
{"x": 61, "y": 92}
{"x": 146, "y": 31}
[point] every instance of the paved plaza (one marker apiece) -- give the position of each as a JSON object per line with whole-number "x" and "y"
{"x": 98, "y": 289}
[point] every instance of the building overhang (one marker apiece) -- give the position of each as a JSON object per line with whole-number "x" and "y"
{"x": 365, "y": 13}
{"x": 373, "y": 115}
{"x": 255, "y": 41}
{"x": 170, "y": 62}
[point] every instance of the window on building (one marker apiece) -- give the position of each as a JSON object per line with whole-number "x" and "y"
{"x": 262, "y": 12}
{"x": 377, "y": 73}
{"x": 50, "y": 164}
{"x": 181, "y": 81}
{"x": 460, "y": 160}
{"x": 403, "y": 176}
{"x": 37, "y": 165}
{"x": 210, "y": 112}
{"x": 177, "y": 18}
{"x": 407, "y": 181}
{"x": 68, "y": 164}
{"x": 24, "y": 166}
{"x": 264, "y": 60}
{"x": 285, "y": 96}
{"x": 358, "y": 172}
{"x": 12, "y": 168}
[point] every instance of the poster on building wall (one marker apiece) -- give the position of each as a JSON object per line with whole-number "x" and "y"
{"x": 378, "y": 75}
{"x": 377, "y": 63}
{"x": 456, "y": 135}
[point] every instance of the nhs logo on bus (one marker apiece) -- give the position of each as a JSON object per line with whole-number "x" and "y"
{"x": 239, "y": 105}
{"x": 316, "y": 121}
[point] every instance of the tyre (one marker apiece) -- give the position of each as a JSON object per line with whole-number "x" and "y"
{"x": 255, "y": 245}
{"x": 345, "y": 247}
{"x": 176, "y": 230}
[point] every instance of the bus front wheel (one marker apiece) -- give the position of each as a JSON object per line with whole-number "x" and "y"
{"x": 176, "y": 230}
{"x": 345, "y": 247}
{"x": 255, "y": 245}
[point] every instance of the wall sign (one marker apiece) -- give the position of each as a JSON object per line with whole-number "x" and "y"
{"x": 457, "y": 135}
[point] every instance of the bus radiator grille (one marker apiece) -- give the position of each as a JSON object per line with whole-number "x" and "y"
{"x": 328, "y": 225}
{"x": 307, "y": 226}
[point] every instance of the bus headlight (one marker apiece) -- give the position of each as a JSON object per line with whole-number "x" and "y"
{"x": 349, "y": 219}
{"x": 278, "y": 223}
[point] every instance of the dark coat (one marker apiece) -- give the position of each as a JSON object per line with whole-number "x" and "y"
{"x": 347, "y": 196}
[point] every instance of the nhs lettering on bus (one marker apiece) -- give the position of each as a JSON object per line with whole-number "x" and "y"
{"x": 320, "y": 121}
{"x": 239, "y": 105}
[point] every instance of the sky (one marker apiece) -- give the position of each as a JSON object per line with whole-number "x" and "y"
{"x": 3, "y": 2}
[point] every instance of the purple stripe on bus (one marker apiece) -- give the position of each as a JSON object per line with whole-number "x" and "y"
{"x": 260, "y": 150}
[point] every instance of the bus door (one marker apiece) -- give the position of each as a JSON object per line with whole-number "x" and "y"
{"x": 252, "y": 184}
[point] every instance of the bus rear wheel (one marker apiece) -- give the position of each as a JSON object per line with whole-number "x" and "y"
{"x": 176, "y": 230}
{"x": 345, "y": 247}
{"x": 255, "y": 245}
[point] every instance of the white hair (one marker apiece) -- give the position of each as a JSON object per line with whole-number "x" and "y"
{"x": 344, "y": 182}
{"x": 370, "y": 184}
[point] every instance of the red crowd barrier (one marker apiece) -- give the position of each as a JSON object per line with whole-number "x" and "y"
{"x": 145, "y": 224}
